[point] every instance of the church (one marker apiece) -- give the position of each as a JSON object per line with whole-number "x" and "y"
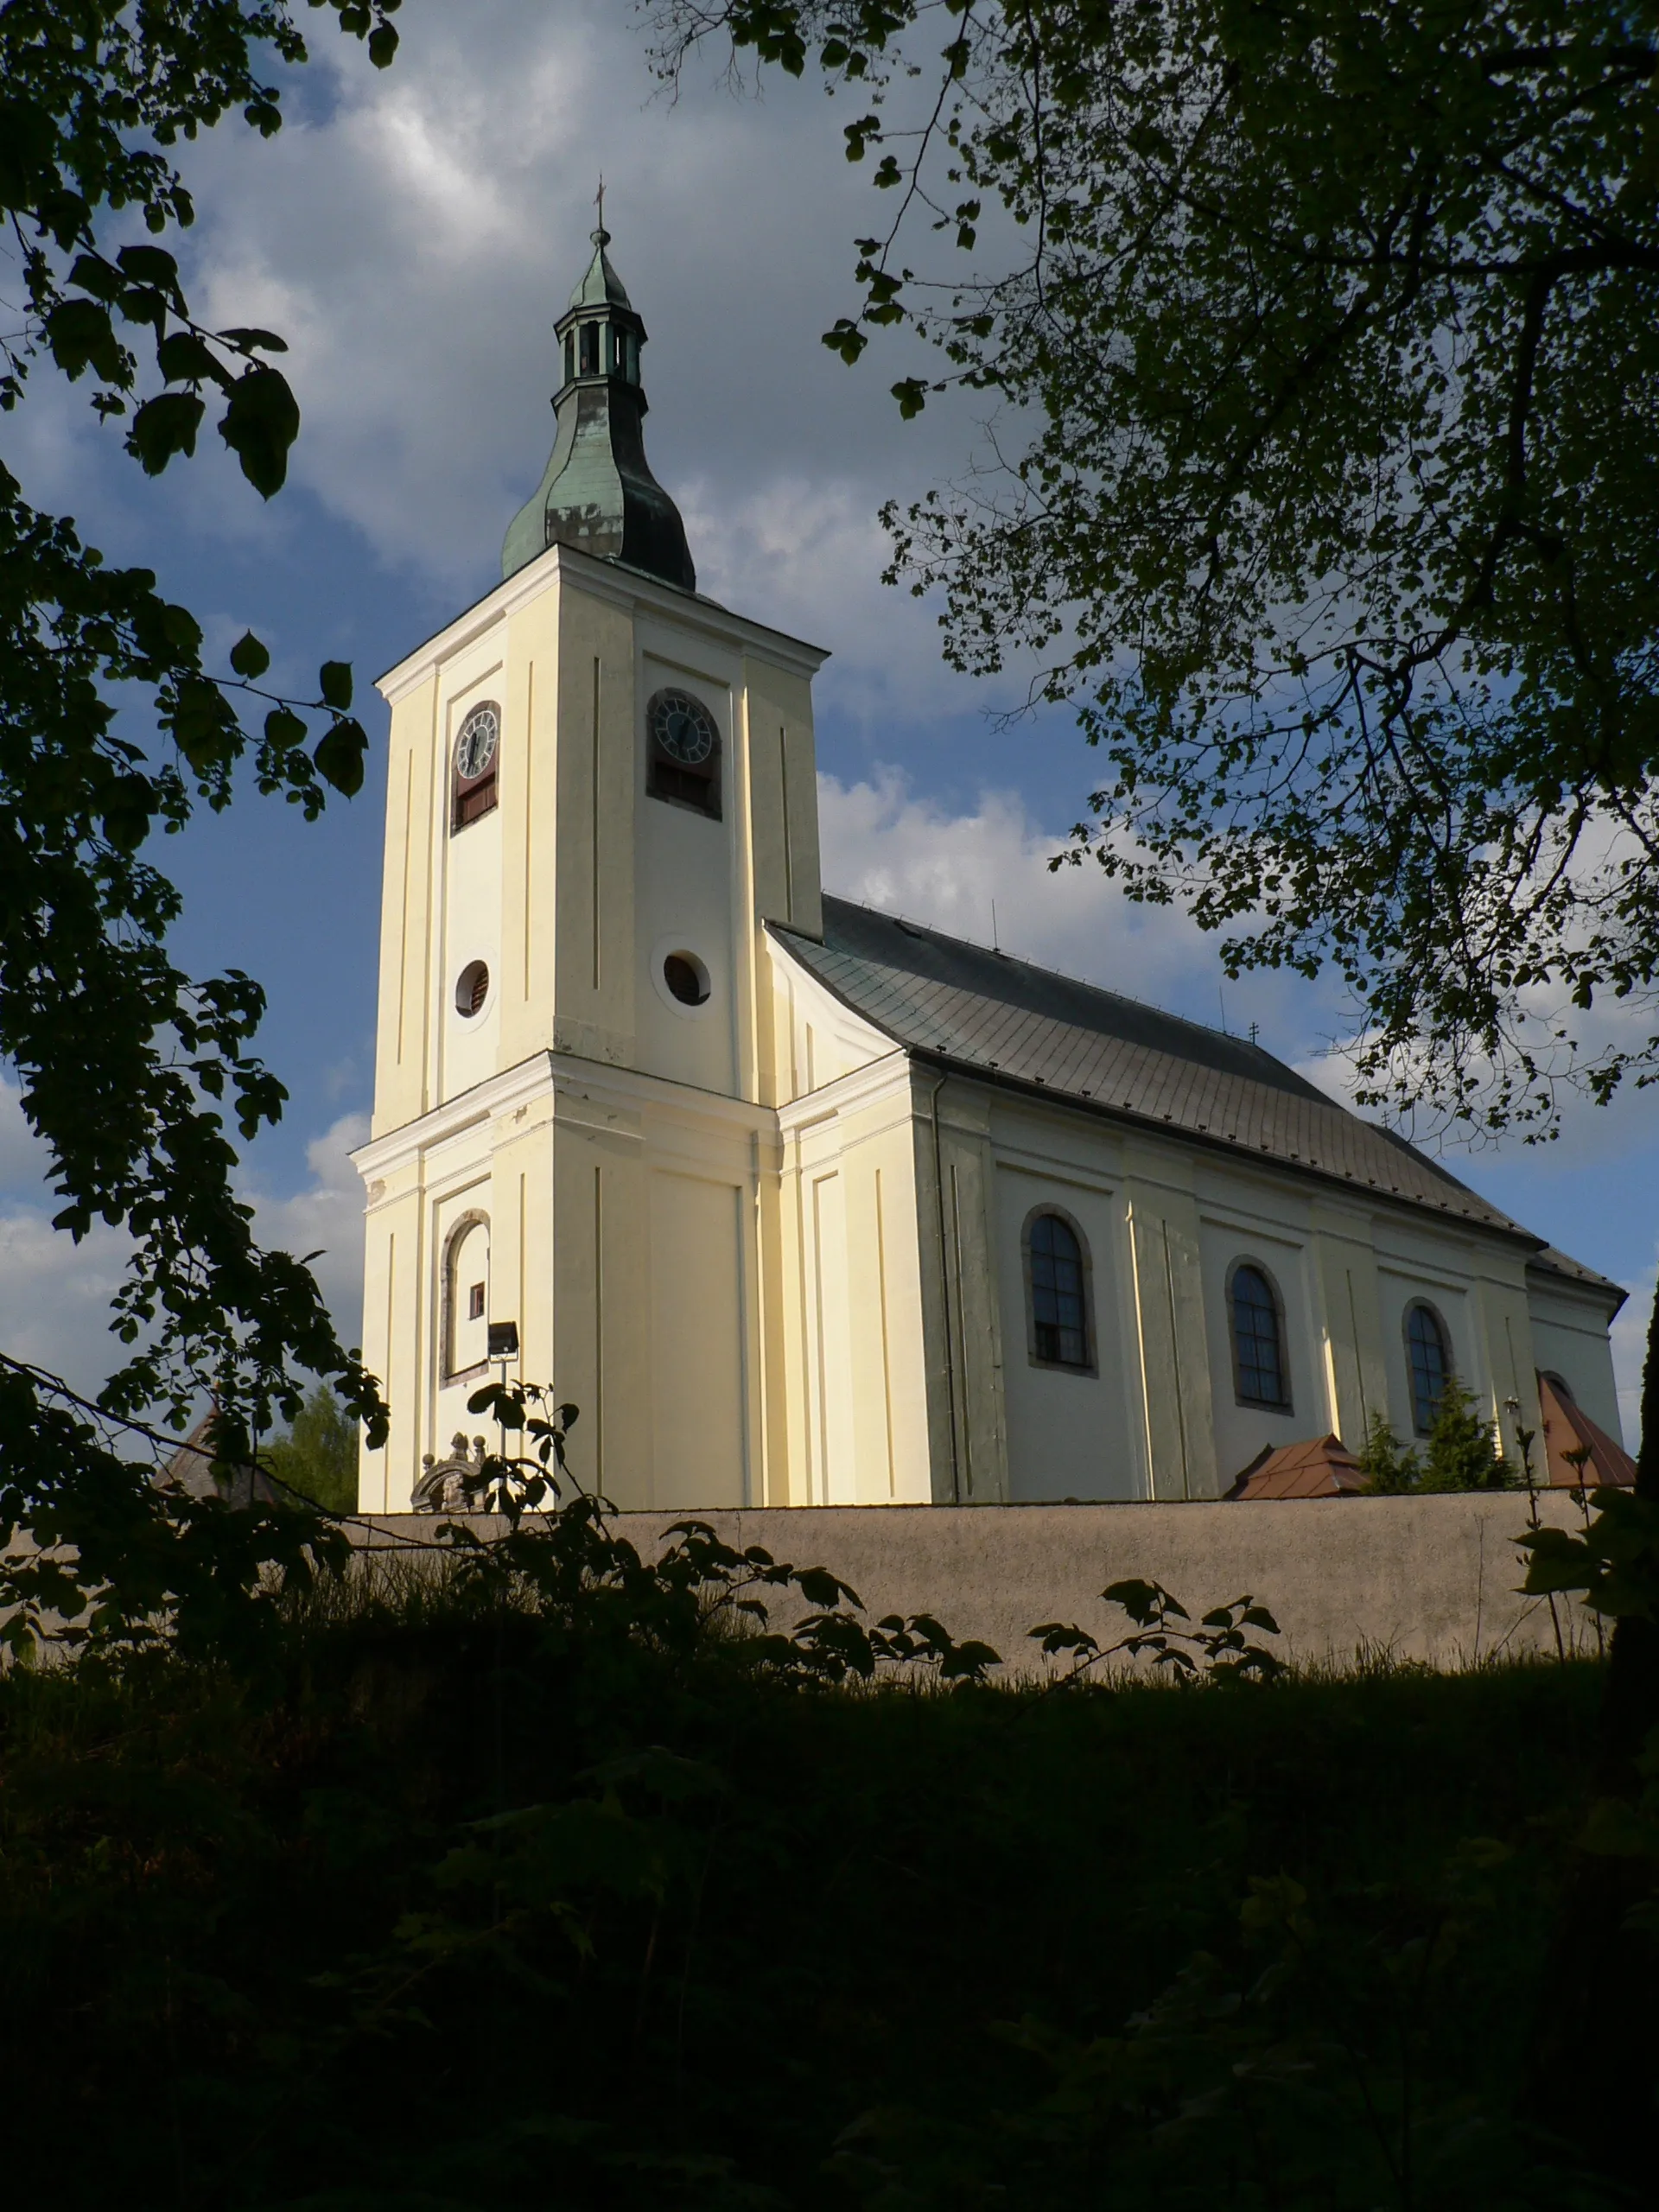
{"x": 802, "y": 1203}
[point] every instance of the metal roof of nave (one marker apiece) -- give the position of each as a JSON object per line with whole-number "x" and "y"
{"x": 1003, "y": 1019}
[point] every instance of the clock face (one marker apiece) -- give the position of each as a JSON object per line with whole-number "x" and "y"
{"x": 475, "y": 747}
{"x": 682, "y": 727}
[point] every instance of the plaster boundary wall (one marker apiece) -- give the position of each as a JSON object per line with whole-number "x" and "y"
{"x": 1433, "y": 1579}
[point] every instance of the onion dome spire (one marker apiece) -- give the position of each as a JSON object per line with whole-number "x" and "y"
{"x": 597, "y": 491}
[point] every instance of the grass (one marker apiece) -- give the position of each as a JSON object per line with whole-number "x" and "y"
{"x": 452, "y": 1908}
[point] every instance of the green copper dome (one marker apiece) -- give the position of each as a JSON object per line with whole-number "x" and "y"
{"x": 601, "y": 287}
{"x": 597, "y": 491}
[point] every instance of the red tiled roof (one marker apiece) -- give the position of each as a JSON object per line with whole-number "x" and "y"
{"x": 1317, "y": 1467}
{"x": 1567, "y": 1428}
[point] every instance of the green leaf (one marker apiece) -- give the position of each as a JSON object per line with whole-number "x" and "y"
{"x": 285, "y": 729}
{"x": 912, "y": 395}
{"x": 203, "y": 725}
{"x": 91, "y": 273}
{"x": 383, "y": 46}
{"x": 28, "y": 141}
{"x": 845, "y": 338}
{"x": 248, "y": 656}
{"x": 1139, "y": 1600}
{"x": 164, "y": 426}
{"x": 150, "y": 264}
{"x": 183, "y": 359}
{"x": 335, "y": 684}
{"x": 339, "y": 757}
{"x": 259, "y": 425}
{"x": 80, "y": 334}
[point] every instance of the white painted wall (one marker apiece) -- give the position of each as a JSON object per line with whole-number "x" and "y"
{"x": 685, "y": 887}
{"x": 1403, "y": 1279}
{"x": 1275, "y": 1242}
{"x": 699, "y": 1441}
{"x": 832, "y": 1478}
{"x": 469, "y": 867}
{"x": 460, "y": 1256}
{"x": 1068, "y": 1433}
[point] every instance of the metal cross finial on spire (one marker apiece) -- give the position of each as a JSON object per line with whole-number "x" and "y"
{"x": 599, "y": 201}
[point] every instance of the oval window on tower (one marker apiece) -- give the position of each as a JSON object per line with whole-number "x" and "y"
{"x": 683, "y": 752}
{"x": 472, "y": 989}
{"x": 687, "y": 978}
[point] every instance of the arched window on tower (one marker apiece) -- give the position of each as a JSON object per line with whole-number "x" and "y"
{"x": 1260, "y": 1373}
{"x": 1428, "y": 1361}
{"x": 466, "y": 1317}
{"x": 473, "y": 768}
{"x": 1057, "y": 1291}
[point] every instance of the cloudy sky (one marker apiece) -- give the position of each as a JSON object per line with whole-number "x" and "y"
{"x": 413, "y": 235}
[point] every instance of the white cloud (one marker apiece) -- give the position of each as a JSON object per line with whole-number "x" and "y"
{"x": 22, "y": 1156}
{"x": 326, "y": 1218}
{"x": 55, "y": 1294}
{"x": 413, "y": 235}
{"x": 886, "y": 845}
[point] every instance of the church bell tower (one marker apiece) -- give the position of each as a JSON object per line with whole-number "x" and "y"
{"x": 600, "y": 789}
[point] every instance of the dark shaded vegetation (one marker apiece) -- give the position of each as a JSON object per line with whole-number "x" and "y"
{"x": 317, "y": 1457}
{"x": 467, "y": 1898}
{"x": 1459, "y": 1452}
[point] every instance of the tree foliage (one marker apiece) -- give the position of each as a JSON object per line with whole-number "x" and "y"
{"x": 1458, "y": 1453}
{"x": 114, "y": 725}
{"x": 317, "y": 1458}
{"x": 1325, "y": 344}
{"x": 742, "y": 1943}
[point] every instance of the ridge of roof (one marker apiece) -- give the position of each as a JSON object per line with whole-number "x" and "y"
{"x": 1008, "y": 1021}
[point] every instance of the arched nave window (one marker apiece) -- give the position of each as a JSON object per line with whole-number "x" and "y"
{"x": 1057, "y": 1291}
{"x": 1428, "y": 1362}
{"x": 1260, "y": 1376}
{"x": 466, "y": 1319}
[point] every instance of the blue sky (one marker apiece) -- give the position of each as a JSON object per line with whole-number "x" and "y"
{"x": 413, "y": 235}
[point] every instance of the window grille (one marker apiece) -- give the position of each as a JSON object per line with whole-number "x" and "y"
{"x": 1258, "y": 1348}
{"x": 1426, "y": 1356}
{"x": 1059, "y": 1309}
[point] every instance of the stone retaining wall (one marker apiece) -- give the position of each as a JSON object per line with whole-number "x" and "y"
{"x": 1431, "y": 1579}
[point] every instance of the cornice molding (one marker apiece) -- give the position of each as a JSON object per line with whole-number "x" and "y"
{"x": 848, "y": 1094}
{"x": 630, "y": 589}
{"x": 543, "y": 1075}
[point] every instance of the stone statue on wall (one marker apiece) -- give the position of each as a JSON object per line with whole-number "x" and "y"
{"x": 450, "y": 1484}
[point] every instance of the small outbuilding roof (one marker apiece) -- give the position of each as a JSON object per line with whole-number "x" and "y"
{"x": 1003, "y": 1018}
{"x": 1319, "y": 1466}
{"x": 1596, "y": 1459}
